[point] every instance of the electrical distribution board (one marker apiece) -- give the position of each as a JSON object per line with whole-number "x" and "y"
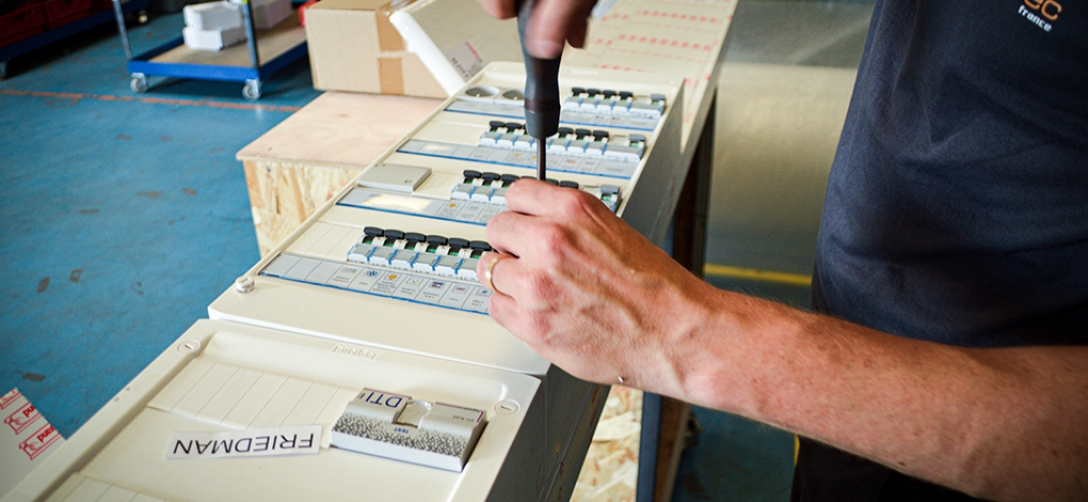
{"x": 406, "y": 234}
{"x": 369, "y": 326}
{"x": 223, "y": 376}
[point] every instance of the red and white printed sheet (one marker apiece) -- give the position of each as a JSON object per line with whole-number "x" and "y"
{"x": 26, "y": 439}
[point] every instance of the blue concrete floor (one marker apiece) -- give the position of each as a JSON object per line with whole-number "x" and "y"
{"x": 125, "y": 215}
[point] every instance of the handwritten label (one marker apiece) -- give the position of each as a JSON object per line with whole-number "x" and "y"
{"x": 301, "y": 440}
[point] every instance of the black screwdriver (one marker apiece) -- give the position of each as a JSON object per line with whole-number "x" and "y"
{"x": 542, "y": 104}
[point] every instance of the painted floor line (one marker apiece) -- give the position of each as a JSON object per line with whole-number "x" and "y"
{"x": 713, "y": 269}
{"x": 154, "y": 101}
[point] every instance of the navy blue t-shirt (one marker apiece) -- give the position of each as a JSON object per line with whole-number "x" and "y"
{"x": 957, "y": 207}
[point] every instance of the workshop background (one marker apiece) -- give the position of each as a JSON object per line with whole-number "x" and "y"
{"x": 122, "y": 219}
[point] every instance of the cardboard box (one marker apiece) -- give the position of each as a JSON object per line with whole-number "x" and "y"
{"x": 212, "y": 40}
{"x": 268, "y": 13}
{"x": 213, "y": 16}
{"x": 353, "y": 47}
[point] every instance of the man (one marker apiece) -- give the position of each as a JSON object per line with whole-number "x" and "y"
{"x": 952, "y": 270}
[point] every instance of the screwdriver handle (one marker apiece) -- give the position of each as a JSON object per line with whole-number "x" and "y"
{"x": 542, "y": 104}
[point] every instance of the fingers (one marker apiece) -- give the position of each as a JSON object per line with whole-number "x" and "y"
{"x": 530, "y": 237}
{"x": 578, "y": 29}
{"x": 511, "y": 281}
{"x": 499, "y": 9}
{"x": 510, "y": 275}
{"x": 555, "y": 21}
{"x": 536, "y": 198}
{"x": 531, "y": 197}
{"x": 487, "y": 271}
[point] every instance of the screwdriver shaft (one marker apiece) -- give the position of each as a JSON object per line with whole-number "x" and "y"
{"x": 542, "y": 146}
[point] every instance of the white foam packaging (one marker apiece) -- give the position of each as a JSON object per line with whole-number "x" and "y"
{"x": 213, "y": 16}
{"x": 212, "y": 40}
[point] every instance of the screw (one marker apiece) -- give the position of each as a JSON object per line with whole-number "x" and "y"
{"x": 244, "y": 284}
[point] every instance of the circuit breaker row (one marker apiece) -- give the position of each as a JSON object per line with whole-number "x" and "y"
{"x": 430, "y": 254}
{"x": 624, "y": 103}
{"x": 583, "y": 106}
{"x": 615, "y": 102}
{"x": 490, "y": 188}
{"x": 567, "y": 141}
{"x": 609, "y": 167}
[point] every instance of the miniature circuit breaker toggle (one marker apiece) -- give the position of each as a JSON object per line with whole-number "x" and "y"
{"x": 411, "y": 430}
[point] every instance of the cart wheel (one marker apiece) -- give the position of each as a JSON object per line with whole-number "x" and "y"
{"x": 3, "y": 70}
{"x": 252, "y": 90}
{"x": 139, "y": 83}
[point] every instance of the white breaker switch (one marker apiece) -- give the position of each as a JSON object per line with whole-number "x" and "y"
{"x": 411, "y": 430}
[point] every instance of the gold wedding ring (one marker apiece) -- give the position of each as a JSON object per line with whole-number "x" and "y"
{"x": 490, "y": 270}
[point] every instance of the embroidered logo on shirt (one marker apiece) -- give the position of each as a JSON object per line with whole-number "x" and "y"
{"x": 1041, "y": 11}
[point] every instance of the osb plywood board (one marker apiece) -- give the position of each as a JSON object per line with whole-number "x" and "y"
{"x": 341, "y": 128}
{"x": 298, "y": 165}
{"x": 610, "y": 471}
{"x": 283, "y": 195}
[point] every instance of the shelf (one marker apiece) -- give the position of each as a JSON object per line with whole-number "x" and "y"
{"x": 37, "y": 41}
{"x": 270, "y": 45}
{"x": 276, "y": 48}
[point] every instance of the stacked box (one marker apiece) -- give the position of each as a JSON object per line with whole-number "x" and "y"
{"x": 212, "y": 40}
{"x": 353, "y": 47}
{"x": 213, "y": 16}
{"x": 213, "y": 25}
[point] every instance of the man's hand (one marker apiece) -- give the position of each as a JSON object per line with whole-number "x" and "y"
{"x": 587, "y": 291}
{"x": 590, "y": 294}
{"x": 552, "y": 23}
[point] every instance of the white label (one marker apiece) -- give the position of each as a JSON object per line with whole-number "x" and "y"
{"x": 465, "y": 60}
{"x": 301, "y": 440}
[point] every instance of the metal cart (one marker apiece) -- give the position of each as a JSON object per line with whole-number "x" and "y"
{"x": 280, "y": 46}
{"x": 9, "y": 52}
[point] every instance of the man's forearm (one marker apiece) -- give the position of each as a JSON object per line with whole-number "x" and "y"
{"x": 590, "y": 294}
{"x": 998, "y": 423}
